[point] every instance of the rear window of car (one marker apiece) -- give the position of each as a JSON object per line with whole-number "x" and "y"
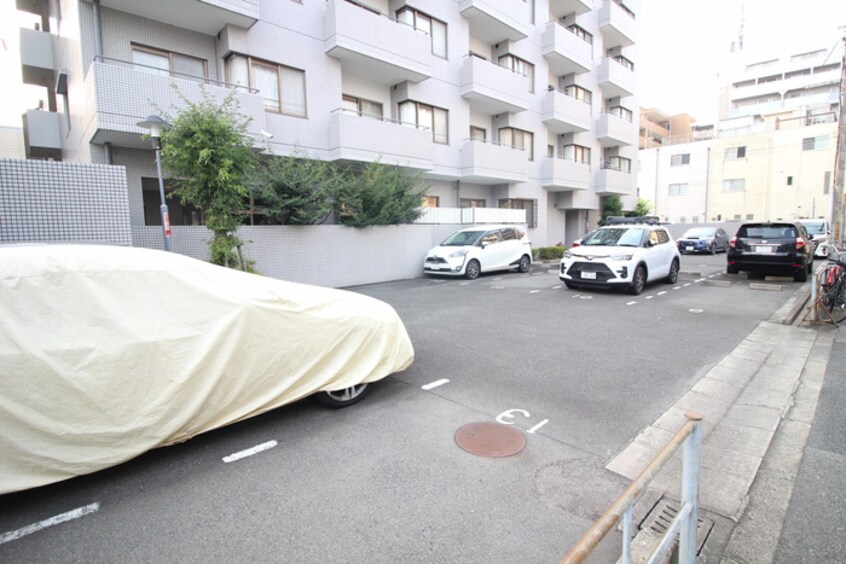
{"x": 767, "y": 232}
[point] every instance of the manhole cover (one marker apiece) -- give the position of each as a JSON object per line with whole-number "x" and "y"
{"x": 493, "y": 440}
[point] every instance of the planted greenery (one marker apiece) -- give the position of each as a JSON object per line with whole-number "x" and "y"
{"x": 379, "y": 195}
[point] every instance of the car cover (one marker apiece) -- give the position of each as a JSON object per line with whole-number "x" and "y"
{"x": 107, "y": 352}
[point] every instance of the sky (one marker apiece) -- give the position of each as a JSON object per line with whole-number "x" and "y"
{"x": 683, "y": 45}
{"x": 682, "y": 48}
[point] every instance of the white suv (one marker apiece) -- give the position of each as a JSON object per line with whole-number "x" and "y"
{"x": 472, "y": 251}
{"x": 622, "y": 256}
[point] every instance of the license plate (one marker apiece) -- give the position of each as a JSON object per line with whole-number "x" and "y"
{"x": 688, "y": 248}
{"x": 589, "y": 275}
{"x": 764, "y": 249}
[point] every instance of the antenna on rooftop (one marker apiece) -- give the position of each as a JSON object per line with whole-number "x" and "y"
{"x": 740, "y": 32}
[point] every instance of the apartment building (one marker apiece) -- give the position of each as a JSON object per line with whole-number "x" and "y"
{"x": 772, "y": 153}
{"x": 658, "y": 128}
{"x": 518, "y": 104}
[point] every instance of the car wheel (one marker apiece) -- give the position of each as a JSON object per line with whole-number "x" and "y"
{"x": 713, "y": 249}
{"x": 732, "y": 269}
{"x": 342, "y": 398}
{"x": 802, "y": 275}
{"x": 473, "y": 269}
{"x": 638, "y": 281}
{"x": 523, "y": 266}
{"x": 673, "y": 276}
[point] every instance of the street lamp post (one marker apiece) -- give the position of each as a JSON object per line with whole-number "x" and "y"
{"x": 156, "y": 125}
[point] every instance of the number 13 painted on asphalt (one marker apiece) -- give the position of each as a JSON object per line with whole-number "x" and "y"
{"x": 506, "y": 418}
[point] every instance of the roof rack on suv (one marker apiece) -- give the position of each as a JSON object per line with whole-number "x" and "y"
{"x": 618, "y": 219}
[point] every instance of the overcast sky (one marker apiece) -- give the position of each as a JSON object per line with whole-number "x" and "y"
{"x": 682, "y": 48}
{"x": 683, "y": 44}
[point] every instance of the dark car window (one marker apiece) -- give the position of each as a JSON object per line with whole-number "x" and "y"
{"x": 508, "y": 234}
{"x": 767, "y": 231}
{"x": 662, "y": 236}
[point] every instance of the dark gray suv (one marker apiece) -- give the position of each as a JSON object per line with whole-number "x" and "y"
{"x": 782, "y": 247}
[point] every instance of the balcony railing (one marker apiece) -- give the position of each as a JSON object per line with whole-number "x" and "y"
{"x": 490, "y": 163}
{"x": 356, "y": 136}
{"x": 563, "y": 113}
{"x": 493, "y": 88}
{"x": 565, "y": 51}
{"x": 562, "y": 175}
{"x": 471, "y": 216}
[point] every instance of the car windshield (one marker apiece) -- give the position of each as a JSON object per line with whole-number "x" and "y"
{"x": 699, "y": 232}
{"x": 815, "y": 227}
{"x": 616, "y": 237}
{"x": 462, "y": 238}
{"x": 767, "y": 232}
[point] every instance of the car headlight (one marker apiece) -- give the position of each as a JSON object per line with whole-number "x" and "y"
{"x": 621, "y": 257}
{"x": 458, "y": 253}
{"x": 568, "y": 254}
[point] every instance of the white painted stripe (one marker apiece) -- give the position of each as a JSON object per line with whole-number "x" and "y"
{"x": 631, "y": 303}
{"x": 698, "y": 281}
{"x": 686, "y": 285}
{"x": 435, "y": 384}
{"x": 534, "y": 291}
{"x": 62, "y": 518}
{"x": 676, "y": 287}
{"x": 556, "y": 287}
{"x": 649, "y": 297}
{"x": 250, "y": 451}
{"x": 662, "y": 292}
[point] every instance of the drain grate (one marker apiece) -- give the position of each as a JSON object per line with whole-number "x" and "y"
{"x": 661, "y": 517}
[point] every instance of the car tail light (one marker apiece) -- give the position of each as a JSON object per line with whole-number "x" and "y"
{"x": 733, "y": 242}
{"x": 800, "y": 244}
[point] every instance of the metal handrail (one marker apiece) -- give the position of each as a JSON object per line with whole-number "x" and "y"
{"x": 689, "y": 435}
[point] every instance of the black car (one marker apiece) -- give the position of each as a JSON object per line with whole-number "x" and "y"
{"x": 704, "y": 240}
{"x": 772, "y": 248}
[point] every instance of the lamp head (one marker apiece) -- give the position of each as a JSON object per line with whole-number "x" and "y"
{"x": 155, "y": 124}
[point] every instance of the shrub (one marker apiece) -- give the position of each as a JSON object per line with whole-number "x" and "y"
{"x": 548, "y": 253}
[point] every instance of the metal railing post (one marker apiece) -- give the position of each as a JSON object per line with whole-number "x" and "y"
{"x": 690, "y": 491}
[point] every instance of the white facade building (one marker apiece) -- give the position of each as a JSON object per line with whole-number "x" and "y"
{"x": 525, "y": 104}
{"x": 772, "y": 154}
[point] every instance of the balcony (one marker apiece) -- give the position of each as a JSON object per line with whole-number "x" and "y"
{"x": 493, "y": 21}
{"x": 564, "y": 175}
{"x": 612, "y": 130}
{"x": 204, "y": 16}
{"x": 362, "y": 138}
{"x": 561, "y": 8}
{"x": 37, "y": 64}
{"x": 493, "y": 89}
{"x": 577, "y": 200}
{"x": 564, "y": 51}
{"x": 42, "y": 135}
{"x": 488, "y": 163}
{"x": 122, "y": 93}
{"x": 608, "y": 181}
{"x": 614, "y": 79}
{"x": 565, "y": 114}
{"x": 617, "y": 25}
{"x": 375, "y": 46}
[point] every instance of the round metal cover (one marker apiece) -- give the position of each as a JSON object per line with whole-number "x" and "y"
{"x": 493, "y": 440}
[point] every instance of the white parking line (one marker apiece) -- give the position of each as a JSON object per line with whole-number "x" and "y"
{"x": 662, "y": 292}
{"x": 534, "y": 291}
{"x": 249, "y": 452}
{"x": 55, "y": 520}
{"x": 631, "y": 303}
{"x": 556, "y": 287}
{"x": 649, "y": 297}
{"x": 435, "y": 384}
{"x": 686, "y": 285}
{"x": 463, "y": 283}
{"x": 676, "y": 287}
{"x": 698, "y": 281}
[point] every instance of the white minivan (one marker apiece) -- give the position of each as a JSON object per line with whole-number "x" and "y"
{"x": 485, "y": 248}
{"x": 821, "y": 231}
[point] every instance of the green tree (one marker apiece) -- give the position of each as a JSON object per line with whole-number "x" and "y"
{"x": 643, "y": 207}
{"x": 297, "y": 190}
{"x": 211, "y": 159}
{"x": 380, "y": 195}
{"x": 611, "y": 206}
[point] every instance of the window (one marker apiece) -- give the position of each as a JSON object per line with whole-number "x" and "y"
{"x": 426, "y": 116}
{"x": 472, "y": 203}
{"x": 435, "y": 29}
{"x": 179, "y": 214}
{"x": 165, "y": 63}
{"x": 790, "y": 181}
{"x": 734, "y": 153}
{"x": 621, "y": 112}
{"x": 579, "y": 93}
{"x": 624, "y": 61}
{"x": 550, "y": 150}
{"x": 531, "y": 207}
{"x": 750, "y": 216}
{"x": 679, "y": 160}
{"x": 519, "y": 66}
{"x": 478, "y": 133}
{"x": 679, "y": 189}
{"x": 580, "y": 32}
{"x": 281, "y": 87}
{"x": 430, "y": 201}
{"x": 619, "y": 163}
{"x": 815, "y": 143}
{"x": 518, "y": 139}
{"x": 734, "y": 185}
{"x": 362, "y": 107}
{"x": 576, "y": 153}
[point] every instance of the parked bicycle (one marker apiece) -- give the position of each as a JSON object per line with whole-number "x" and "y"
{"x": 833, "y": 282}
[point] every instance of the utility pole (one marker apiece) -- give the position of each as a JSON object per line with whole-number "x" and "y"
{"x": 840, "y": 156}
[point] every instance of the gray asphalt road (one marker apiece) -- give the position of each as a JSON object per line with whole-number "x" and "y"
{"x": 578, "y": 372}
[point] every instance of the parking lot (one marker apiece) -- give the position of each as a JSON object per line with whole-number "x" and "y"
{"x": 578, "y": 372}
